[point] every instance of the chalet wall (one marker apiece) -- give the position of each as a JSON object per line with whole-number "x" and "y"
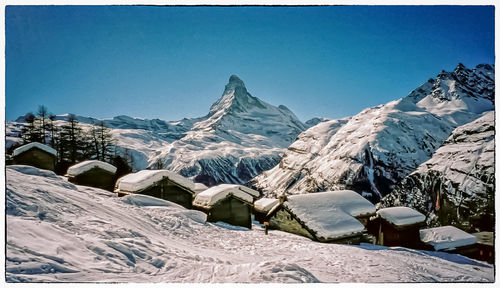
{"x": 232, "y": 211}
{"x": 95, "y": 177}
{"x": 284, "y": 221}
{"x": 169, "y": 191}
{"x": 37, "y": 158}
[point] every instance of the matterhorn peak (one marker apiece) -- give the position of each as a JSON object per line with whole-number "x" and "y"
{"x": 235, "y": 84}
{"x": 236, "y": 80}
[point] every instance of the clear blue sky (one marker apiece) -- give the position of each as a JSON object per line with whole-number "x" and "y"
{"x": 173, "y": 62}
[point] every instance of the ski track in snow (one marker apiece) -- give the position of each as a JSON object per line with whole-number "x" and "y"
{"x": 60, "y": 232}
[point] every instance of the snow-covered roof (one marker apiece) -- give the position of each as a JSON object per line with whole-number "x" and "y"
{"x": 85, "y": 166}
{"x": 32, "y": 145}
{"x": 328, "y": 222}
{"x": 245, "y": 189}
{"x": 140, "y": 180}
{"x": 351, "y": 202}
{"x": 401, "y": 216}
{"x": 330, "y": 214}
{"x": 199, "y": 187}
{"x": 264, "y": 205}
{"x": 446, "y": 237}
{"x": 211, "y": 196}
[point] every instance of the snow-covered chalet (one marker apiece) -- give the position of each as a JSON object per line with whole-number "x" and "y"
{"x": 162, "y": 184}
{"x": 332, "y": 216}
{"x": 92, "y": 173}
{"x": 228, "y": 203}
{"x": 35, "y": 154}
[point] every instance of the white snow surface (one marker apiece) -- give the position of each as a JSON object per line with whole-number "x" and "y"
{"x": 32, "y": 145}
{"x": 217, "y": 193}
{"x": 264, "y": 205}
{"x": 85, "y": 166}
{"x": 60, "y": 232}
{"x": 331, "y": 214}
{"x": 446, "y": 237}
{"x": 140, "y": 180}
{"x": 401, "y": 216}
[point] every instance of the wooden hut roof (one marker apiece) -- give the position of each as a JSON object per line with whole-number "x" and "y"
{"x": 32, "y": 145}
{"x": 88, "y": 165}
{"x": 138, "y": 181}
{"x": 446, "y": 237}
{"x": 264, "y": 205}
{"x": 331, "y": 214}
{"x": 401, "y": 216}
{"x": 199, "y": 187}
{"x": 208, "y": 198}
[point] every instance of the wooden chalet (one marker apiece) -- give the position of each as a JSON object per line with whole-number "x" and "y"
{"x": 35, "y": 154}
{"x": 162, "y": 184}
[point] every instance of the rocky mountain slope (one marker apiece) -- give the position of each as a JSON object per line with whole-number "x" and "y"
{"x": 377, "y": 148}
{"x": 240, "y": 137}
{"x": 457, "y": 185}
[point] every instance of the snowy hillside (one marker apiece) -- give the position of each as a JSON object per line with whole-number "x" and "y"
{"x": 240, "y": 137}
{"x": 378, "y": 147}
{"x": 457, "y": 185}
{"x": 60, "y": 232}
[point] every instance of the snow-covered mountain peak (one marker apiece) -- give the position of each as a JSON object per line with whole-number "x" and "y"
{"x": 238, "y": 110}
{"x": 235, "y": 80}
{"x": 462, "y": 84}
{"x": 235, "y": 99}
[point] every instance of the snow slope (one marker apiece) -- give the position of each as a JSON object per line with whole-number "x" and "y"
{"x": 375, "y": 149}
{"x": 462, "y": 172}
{"x": 60, "y": 232}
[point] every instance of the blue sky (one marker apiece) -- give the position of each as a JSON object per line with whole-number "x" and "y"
{"x": 173, "y": 62}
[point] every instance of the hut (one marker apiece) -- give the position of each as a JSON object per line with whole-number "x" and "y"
{"x": 485, "y": 247}
{"x": 453, "y": 240}
{"x": 93, "y": 173}
{"x": 35, "y": 154}
{"x": 398, "y": 226}
{"x": 262, "y": 207}
{"x": 332, "y": 216}
{"x": 162, "y": 184}
{"x": 227, "y": 203}
{"x": 446, "y": 238}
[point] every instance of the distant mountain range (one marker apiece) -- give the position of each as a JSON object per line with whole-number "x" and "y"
{"x": 239, "y": 138}
{"x": 375, "y": 149}
{"x": 390, "y": 147}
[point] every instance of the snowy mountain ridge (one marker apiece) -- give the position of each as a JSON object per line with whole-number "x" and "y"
{"x": 378, "y": 147}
